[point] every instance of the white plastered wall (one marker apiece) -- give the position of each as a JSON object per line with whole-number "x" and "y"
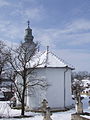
{"x": 68, "y": 93}
{"x": 55, "y": 92}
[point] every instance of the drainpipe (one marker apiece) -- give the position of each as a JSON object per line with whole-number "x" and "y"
{"x": 66, "y": 69}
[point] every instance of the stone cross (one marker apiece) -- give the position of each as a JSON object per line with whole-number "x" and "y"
{"x": 46, "y": 110}
{"x": 47, "y": 114}
{"x": 44, "y": 105}
{"x": 79, "y": 107}
{"x": 79, "y": 104}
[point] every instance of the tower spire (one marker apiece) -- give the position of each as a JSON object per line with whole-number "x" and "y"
{"x": 47, "y": 48}
{"x": 28, "y": 23}
{"x": 28, "y": 33}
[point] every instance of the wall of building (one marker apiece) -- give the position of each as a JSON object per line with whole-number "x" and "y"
{"x": 68, "y": 98}
{"x": 35, "y": 98}
{"x": 55, "y": 92}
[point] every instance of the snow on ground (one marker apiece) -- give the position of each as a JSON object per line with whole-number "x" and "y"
{"x": 85, "y": 116}
{"x": 86, "y": 82}
{"x": 85, "y": 103}
{"x": 6, "y": 111}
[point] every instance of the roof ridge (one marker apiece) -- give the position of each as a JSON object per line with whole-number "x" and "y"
{"x": 58, "y": 57}
{"x": 62, "y": 60}
{"x": 56, "y": 61}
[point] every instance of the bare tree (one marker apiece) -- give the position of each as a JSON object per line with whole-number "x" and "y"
{"x": 4, "y": 58}
{"x": 77, "y": 88}
{"x": 80, "y": 75}
{"x": 24, "y": 62}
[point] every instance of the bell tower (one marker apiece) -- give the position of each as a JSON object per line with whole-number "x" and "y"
{"x": 28, "y": 34}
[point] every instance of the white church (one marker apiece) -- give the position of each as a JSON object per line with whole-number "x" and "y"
{"x": 58, "y": 76}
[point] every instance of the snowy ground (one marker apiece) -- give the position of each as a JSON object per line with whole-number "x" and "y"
{"x": 6, "y": 111}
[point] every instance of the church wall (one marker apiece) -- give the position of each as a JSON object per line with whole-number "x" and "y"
{"x": 34, "y": 100}
{"x": 55, "y": 92}
{"x": 68, "y": 99}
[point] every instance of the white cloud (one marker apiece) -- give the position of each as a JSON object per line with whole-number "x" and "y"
{"x": 79, "y": 39}
{"x": 4, "y": 3}
{"x": 11, "y": 32}
{"x": 30, "y": 1}
{"x": 47, "y": 37}
{"x": 78, "y": 32}
{"x": 35, "y": 12}
{"x": 73, "y": 34}
{"x": 78, "y": 26}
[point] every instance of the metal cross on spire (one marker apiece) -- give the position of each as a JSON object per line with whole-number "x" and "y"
{"x": 28, "y": 23}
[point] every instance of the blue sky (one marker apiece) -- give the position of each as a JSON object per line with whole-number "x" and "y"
{"x": 64, "y": 25}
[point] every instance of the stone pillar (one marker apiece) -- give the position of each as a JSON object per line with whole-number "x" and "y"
{"x": 79, "y": 107}
{"x": 44, "y": 105}
{"x": 79, "y": 104}
{"x": 75, "y": 117}
{"x": 46, "y": 110}
{"x": 47, "y": 114}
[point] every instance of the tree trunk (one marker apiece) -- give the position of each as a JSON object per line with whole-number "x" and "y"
{"x": 23, "y": 107}
{"x": 23, "y": 97}
{"x": 0, "y": 74}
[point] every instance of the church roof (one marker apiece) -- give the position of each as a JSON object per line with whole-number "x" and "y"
{"x": 49, "y": 59}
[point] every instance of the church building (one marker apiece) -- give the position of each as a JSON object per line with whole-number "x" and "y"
{"x": 58, "y": 76}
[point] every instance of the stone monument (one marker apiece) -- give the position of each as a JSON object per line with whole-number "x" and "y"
{"x": 46, "y": 110}
{"x": 78, "y": 103}
{"x": 77, "y": 88}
